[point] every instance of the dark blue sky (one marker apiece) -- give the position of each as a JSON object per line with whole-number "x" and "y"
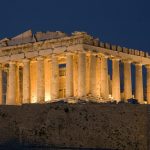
{"x": 122, "y": 22}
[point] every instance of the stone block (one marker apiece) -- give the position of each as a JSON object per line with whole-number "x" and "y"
{"x": 137, "y": 52}
{"x": 4, "y": 58}
{"x": 101, "y": 44}
{"x": 147, "y": 54}
{"x": 45, "y": 52}
{"x": 130, "y": 51}
{"x": 114, "y": 47}
{"x": 133, "y": 52}
{"x": 17, "y": 56}
{"x": 96, "y": 42}
{"x": 40, "y": 36}
{"x": 142, "y": 53}
{"x": 119, "y": 48}
{"x": 60, "y": 49}
{"x": 31, "y": 54}
{"x": 125, "y": 50}
{"x": 107, "y": 45}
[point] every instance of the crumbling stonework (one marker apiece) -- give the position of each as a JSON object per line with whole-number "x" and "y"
{"x": 110, "y": 126}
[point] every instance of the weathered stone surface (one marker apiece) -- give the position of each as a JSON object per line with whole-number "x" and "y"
{"x": 119, "y": 48}
{"x": 17, "y": 56}
{"x": 107, "y": 45}
{"x": 31, "y": 54}
{"x": 45, "y": 52}
{"x": 76, "y": 125}
{"x": 49, "y": 35}
{"x": 114, "y": 47}
{"x": 23, "y": 38}
{"x": 125, "y": 50}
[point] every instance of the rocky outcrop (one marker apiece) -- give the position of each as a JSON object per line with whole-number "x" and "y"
{"x": 109, "y": 126}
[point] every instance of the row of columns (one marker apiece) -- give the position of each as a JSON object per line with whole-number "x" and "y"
{"x": 81, "y": 80}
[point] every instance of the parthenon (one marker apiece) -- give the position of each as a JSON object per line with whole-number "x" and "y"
{"x": 44, "y": 67}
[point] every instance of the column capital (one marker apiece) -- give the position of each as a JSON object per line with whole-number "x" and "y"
{"x": 127, "y": 61}
{"x": 104, "y": 56}
{"x": 69, "y": 53}
{"x": 147, "y": 66}
{"x": 12, "y": 62}
{"x": 82, "y": 52}
{"x": 25, "y": 60}
{"x": 92, "y": 53}
{"x": 115, "y": 59}
{"x": 138, "y": 64}
{"x": 54, "y": 55}
{"x": 40, "y": 58}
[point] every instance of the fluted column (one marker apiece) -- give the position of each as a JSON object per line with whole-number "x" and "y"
{"x": 1, "y": 86}
{"x": 104, "y": 78}
{"x": 26, "y": 81}
{"x": 55, "y": 78}
{"x": 115, "y": 79}
{"x": 138, "y": 83}
{"x": 98, "y": 77}
{"x": 127, "y": 80}
{"x": 93, "y": 74}
{"x": 11, "y": 91}
{"x": 81, "y": 74}
{"x": 69, "y": 75}
{"x": 40, "y": 80}
{"x": 148, "y": 84}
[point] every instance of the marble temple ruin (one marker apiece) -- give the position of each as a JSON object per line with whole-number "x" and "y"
{"x": 44, "y": 67}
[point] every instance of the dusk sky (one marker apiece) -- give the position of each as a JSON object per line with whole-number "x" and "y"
{"x": 121, "y": 22}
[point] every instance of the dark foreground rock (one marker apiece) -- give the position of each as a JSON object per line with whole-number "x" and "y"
{"x": 75, "y": 126}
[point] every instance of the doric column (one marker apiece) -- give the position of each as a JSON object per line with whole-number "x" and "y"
{"x": 33, "y": 81}
{"x": 138, "y": 83}
{"x": 98, "y": 77}
{"x": 26, "y": 81}
{"x": 18, "y": 88}
{"x": 104, "y": 78}
{"x": 1, "y": 86}
{"x": 93, "y": 74}
{"x": 115, "y": 79}
{"x": 40, "y": 80}
{"x": 11, "y": 91}
{"x": 127, "y": 80}
{"x": 148, "y": 84}
{"x": 75, "y": 75}
{"x": 55, "y": 78}
{"x": 69, "y": 75}
{"x": 81, "y": 74}
{"x": 47, "y": 78}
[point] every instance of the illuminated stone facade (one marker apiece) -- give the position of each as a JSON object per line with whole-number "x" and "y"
{"x": 45, "y": 67}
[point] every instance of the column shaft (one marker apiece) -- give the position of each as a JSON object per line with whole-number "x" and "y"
{"x": 69, "y": 75}
{"x": 26, "y": 81}
{"x": 75, "y": 75}
{"x": 115, "y": 80}
{"x": 127, "y": 80}
{"x": 98, "y": 77}
{"x": 11, "y": 91}
{"x": 93, "y": 75}
{"x": 104, "y": 78}
{"x": 55, "y": 78}
{"x": 138, "y": 83}
{"x": 148, "y": 84}
{"x": 82, "y": 74}
{"x": 40, "y": 80}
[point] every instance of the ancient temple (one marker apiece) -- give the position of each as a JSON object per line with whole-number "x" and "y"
{"x": 44, "y": 67}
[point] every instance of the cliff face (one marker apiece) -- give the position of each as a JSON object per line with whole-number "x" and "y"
{"x": 76, "y": 125}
